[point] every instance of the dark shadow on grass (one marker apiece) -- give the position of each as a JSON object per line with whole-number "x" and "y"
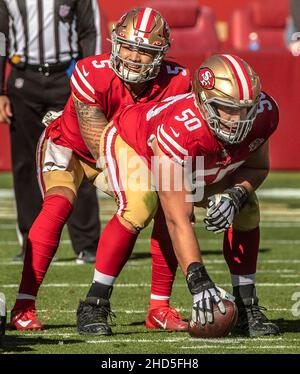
{"x": 122, "y": 333}
{"x": 143, "y": 255}
{"x": 51, "y": 327}
{"x": 137, "y": 323}
{"x": 140, "y": 324}
{"x": 287, "y": 325}
{"x": 140, "y": 255}
{"x": 213, "y": 252}
{"x": 294, "y": 205}
{"x": 206, "y": 252}
{"x": 68, "y": 259}
{"x": 13, "y": 343}
{"x": 265, "y": 250}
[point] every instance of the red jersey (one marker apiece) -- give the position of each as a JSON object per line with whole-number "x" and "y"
{"x": 94, "y": 83}
{"x": 181, "y": 132}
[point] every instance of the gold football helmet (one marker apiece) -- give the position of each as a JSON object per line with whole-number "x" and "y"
{"x": 228, "y": 83}
{"x": 147, "y": 31}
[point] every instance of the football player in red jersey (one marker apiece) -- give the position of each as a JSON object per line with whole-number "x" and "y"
{"x": 221, "y": 130}
{"x": 134, "y": 72}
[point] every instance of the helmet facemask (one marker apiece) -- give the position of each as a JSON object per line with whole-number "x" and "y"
{"x": 122, "y": 67}
{"x": 231, "y": 132}
{"x": 145, "y": 31}
{"x": 227, "y": 92}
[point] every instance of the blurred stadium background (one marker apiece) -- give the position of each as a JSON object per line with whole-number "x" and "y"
{"x": 198, "y": 28}
{"x": 202, "y": 27}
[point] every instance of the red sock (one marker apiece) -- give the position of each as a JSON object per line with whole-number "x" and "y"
{"x": 240, "y": 249}
{"x": 43, "y": 241}
{"x": 115, "y": 246}
{"x": 24, "y": 304}
{"x": 164, "y": 263}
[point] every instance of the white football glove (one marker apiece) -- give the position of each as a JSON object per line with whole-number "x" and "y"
{"x": 50, "y": 116}
{"x": 204, "y": 292}
{"x": 223, "y": 207}
{"x": 203, "y": 306}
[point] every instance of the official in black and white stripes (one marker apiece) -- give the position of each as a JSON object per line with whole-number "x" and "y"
{"x": 44, "y": 38}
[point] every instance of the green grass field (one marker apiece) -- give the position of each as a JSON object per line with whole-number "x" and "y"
{"x": 278, "y": 285}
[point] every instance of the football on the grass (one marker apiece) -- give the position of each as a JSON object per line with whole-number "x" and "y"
{"x": 221, "y": 326}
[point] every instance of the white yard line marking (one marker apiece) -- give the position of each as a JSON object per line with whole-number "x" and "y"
{"x": 125, "y": 311}
{"x": 135, "y": 285}
{"x": 15, "y": 242}
{"x": 214, "y": 241}
{"x": 263, "y": 261}
{"x": 133, "y": 263}
{"x": 7, "y": 227}
{"x": 8, "y": 215}
{"x": 55, "y": 263}
{"x": 280, "y": 193}
{"x": 280, "y": 225}
{"x": 289, "y": 275}
{"x": 8, "y": 193}
{"x": 174, "y": 340}
{"x": 274, "y": 193}
{"x": 203, "y": 343}
{"x": 235, "y": 342}
{"x": 243, "y": 347}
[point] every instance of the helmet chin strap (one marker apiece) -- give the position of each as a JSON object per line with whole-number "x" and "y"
{"x": 128, "y": 74}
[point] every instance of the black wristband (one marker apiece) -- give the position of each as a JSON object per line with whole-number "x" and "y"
{"x": 239, "y": 195}
{"x": 197, "y": 278}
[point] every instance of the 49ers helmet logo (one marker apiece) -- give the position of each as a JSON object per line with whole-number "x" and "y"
{"x": 206, "y": 78}
{"x": 138, "y": 39}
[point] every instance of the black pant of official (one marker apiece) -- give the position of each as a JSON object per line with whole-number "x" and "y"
{"x": 32, "y": 95}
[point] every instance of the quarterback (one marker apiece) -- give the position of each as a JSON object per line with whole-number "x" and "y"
{"x": 226, "y": 121}
{"x": 134, "y": 72}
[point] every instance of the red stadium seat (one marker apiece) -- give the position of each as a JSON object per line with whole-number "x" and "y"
{"x": 105, "y": 31}
{"x": 5, "y": 156}
{"x": 265, "y": 18}
{"x": 192, "y": 26}
{"x": 5, "y": 160}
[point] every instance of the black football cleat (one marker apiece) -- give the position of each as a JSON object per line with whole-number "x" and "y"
{"x": 92, "y": 316}
{"x": 86, "y": 257}
{"x": 251, "y": 320}
{"x": 20, "y": 257}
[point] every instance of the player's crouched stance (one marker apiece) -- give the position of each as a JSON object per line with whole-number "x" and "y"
{"x": 135, "y": 71}
{"x": 226, "y": 122}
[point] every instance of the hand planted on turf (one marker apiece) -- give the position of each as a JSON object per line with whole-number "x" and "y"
{"x": 205, "y": 294}
{"x": 203, "y": 306}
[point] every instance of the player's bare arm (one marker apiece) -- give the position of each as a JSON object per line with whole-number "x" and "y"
{"x": 254, "y": 171}
{"x": 177, "y": 212}
{"x": 92, "y": 122}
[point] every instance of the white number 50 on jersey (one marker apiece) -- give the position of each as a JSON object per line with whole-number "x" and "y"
{"x": 191, "y": 122}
